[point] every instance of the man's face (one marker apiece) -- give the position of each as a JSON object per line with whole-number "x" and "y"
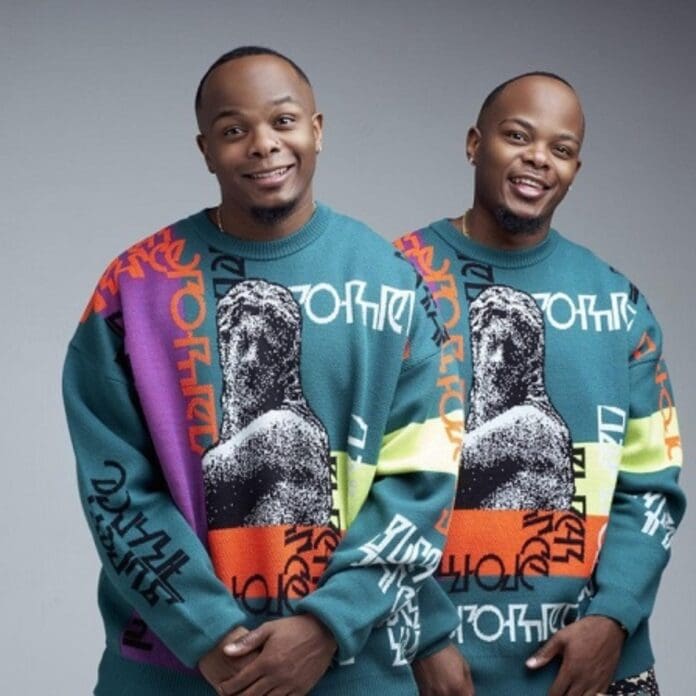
{"x": 526, "y": 149}
{"x": 259, "y": 134}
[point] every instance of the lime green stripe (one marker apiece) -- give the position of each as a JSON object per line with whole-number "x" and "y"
{"x": 354, "y": 480}
{"x": 420, "y": 447}
{"x": 415, "y": 448}
{"x": 652, "y": 443}
{"x": 601, "y": 466}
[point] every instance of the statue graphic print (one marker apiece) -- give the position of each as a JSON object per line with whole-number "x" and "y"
{"x": 270, "y": 465}
{"x": 517, "y": 448}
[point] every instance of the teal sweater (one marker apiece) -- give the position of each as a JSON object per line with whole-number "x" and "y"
{"x": 258, "y": 432}
{"x": 567, "y": 497}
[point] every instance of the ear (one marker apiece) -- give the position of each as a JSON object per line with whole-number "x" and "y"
{"x": 473, "y": 139}
{"x": 203, "y": 147}
{"x": 318, "y": 130}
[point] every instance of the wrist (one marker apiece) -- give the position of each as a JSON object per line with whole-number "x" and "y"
{"x": 616, "y": 622}
{"x": 322, "y": 629}
{"x": 610, "y": 621}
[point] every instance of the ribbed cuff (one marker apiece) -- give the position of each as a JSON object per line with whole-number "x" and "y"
{"x": 434, "y": 648}
{"x": 619, "y": 606}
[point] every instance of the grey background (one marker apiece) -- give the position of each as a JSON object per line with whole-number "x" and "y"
{"x": 97, "y": 150}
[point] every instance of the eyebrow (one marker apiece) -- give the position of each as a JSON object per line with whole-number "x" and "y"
{"x": 287, "y": 98}
{"x": 235, "y": 112}
{"x": 529, "y": 126}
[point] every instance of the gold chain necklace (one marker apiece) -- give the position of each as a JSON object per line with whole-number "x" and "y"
{"x": 465, "y": 223}
{"x": 218, "y": 219}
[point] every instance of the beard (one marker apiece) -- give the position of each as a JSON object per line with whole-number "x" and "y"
{"x": 514, "y": 224}
{"x": 271, "y": 216}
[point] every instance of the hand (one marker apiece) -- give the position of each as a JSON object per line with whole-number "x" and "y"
{"x": 589, "y": 649}
{"x": 216, "y": 666}
{"x": 444, "y": 673}
{"x": 295, "y": 652}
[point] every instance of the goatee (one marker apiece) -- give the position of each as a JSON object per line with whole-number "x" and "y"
{"x": 514, "y": 224}
{"x": 271, "y": 216}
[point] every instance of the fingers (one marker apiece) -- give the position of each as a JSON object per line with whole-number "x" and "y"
{"x": 561, "y": 684}
{"x": 261, "y": 687}
{"x": 576, "y": 679}
{"x": 468, "y": 681}
{"x": 250, "y": 641}
{"x": 546, "y": 653}
{"x": 247, "y": 678}
{"x": 237, "y": 633}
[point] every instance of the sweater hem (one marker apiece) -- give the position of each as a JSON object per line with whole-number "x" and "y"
{"x": 119, "y": 676}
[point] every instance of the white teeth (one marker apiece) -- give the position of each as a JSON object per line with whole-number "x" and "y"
{"x": 268, "y": 175}
{"x": 527, "y": 182}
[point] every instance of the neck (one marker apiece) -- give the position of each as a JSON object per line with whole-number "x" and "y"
{"x": 484, "y": 228}
{"x": 241, "y": 223}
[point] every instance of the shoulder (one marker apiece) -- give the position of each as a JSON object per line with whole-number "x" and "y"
{"x": 603, "y": 276}
{"x": 159, "y": 252}
{"x": 357, "y": 233}
{"x": 358, "y": 244}
{"x": 589, "y": 263}
{"x": 164, "y": 240}
{"x": 424, "y": 235}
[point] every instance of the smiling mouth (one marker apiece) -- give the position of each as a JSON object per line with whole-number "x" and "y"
{"x": 270, "y": 174}
{"x": 528, "y": 181}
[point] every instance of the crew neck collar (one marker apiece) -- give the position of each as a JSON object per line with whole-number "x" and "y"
{"x": 502, "y": 258}
{"x": 273, "y": 249}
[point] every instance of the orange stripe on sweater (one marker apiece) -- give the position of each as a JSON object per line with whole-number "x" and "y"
{"x": 522, "y": 542}
{"x": 260, "y": 562}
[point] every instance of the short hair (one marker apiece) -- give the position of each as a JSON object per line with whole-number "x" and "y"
{"x": 243, "y": 52}
{"x": 490, "y": 99}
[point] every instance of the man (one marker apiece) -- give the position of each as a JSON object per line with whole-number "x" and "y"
{"x": 567, "y": 496}
{"x": 257, "y": 428}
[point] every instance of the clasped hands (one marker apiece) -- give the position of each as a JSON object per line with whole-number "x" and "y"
{"x": 588, "y": 649}
{"x": 285, "y": 657}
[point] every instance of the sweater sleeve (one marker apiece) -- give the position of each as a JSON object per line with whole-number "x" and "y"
{"x": 149, "y": 552}
{"x": 648, "y": 503}
{"x": 395, "y": 542}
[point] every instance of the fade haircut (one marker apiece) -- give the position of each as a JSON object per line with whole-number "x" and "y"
{"x": 490, "y": 99}
{"x": 243, "y": 52}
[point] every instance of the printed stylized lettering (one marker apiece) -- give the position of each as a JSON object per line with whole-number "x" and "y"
{"x": 443, "y": 287}
{"x": 611, "y": 424}
{"x": 227, "y": 270}
{"x": 666, "y": 406}
{"x": 153, "y": 564}
{"x": 564, "y": 312}
{"x": 407, "y": 560}
{"x": 305, "y": 552}
{"x": 322, "y": 304}
{"x": 658, "y": 518}
{"x": 490, "y": 623}
{"x": 134, "y": 635}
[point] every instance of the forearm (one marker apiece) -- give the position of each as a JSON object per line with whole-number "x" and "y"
{"x": 149, "y": 552}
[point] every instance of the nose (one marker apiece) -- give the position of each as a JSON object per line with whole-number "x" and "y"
{"x": 264, "y": 142}
{"x": 536, "y": 155}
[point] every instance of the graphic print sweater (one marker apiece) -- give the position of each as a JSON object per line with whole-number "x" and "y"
{"x": 567, "y": 497}
{"x": 258, "y": 432}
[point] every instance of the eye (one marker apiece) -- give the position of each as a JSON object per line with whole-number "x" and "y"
{"x": 285, "y": 121}
{"x": 232, "y": 131}
{"x": 563, "y": 151}
{"x": 516, "y": 136}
